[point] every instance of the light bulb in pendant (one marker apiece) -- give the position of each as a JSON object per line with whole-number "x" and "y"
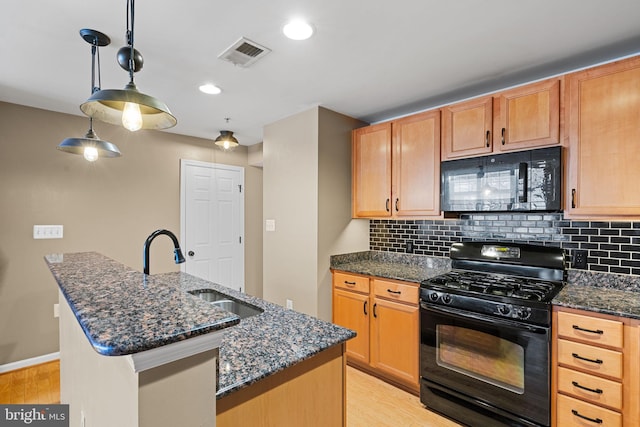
{"x": 131, "y": 117}
{"x": 226, "y": 145}
{"x": 91, "y": 154}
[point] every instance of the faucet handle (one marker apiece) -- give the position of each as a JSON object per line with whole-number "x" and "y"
{"x": 191, "y": 253}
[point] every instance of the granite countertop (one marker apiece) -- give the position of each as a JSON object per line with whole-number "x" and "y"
{"x": 391, "y": 265}
{"x": 614, "y": 294}
{"x": 123, "y": 311}
{"x": 606, "y": 293}
{"x": 256, "y": 347}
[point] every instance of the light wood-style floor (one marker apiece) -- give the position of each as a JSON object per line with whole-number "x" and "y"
{"x": 374, "y": 403}
{"x": 370, "y": 401}
{"x": 39, "y": 384}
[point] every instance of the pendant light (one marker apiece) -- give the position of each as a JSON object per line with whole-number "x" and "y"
{"x": 91, "y": 147}
{"x": 129, "y": 107}
{"x": 226, "y": 140}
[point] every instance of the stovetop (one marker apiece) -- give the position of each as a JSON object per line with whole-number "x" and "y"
{"x": 499, "y": 285}
{"x": 507, "y": 280}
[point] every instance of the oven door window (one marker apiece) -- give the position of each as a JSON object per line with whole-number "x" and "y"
{"x": 482, "y": 356}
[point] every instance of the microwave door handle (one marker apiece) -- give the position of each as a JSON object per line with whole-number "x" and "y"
{"x": 523, "y": 175}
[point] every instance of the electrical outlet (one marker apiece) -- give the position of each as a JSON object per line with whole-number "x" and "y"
{"x": 409, "y": 247}
{"x": 290, "y": 304}
{"x": 579, "y": 259}
{"x": 48, "y": 231}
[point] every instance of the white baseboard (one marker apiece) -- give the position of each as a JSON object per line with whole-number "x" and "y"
{"x": 29, "y": 362}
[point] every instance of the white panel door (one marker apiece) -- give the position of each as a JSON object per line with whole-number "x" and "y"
{"x": 212, "y": 222}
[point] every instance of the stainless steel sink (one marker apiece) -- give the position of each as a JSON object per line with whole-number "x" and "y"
{"x": 242, "y": 309}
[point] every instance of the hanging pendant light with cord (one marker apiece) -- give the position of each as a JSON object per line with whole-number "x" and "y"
{"x": 129, "y": 107}
{"x": 91, "y": 147}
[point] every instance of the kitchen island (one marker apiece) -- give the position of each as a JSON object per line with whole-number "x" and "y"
{"x": 278, "y": 367}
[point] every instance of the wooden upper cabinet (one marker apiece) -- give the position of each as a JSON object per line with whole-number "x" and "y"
{"x": 466, "y": 128}
{"x": 416, "y": 165}
{"x": 603, "y": 126}
{"x": 396, "y": 168}
{"x": 527, "y": 117}
{"x": 518, "y": 119}
{"x": 371, "y": 171}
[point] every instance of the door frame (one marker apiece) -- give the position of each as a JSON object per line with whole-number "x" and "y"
{"x": 183, "y": 203}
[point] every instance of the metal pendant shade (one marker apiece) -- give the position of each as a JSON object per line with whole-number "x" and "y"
{"x": 91, "y": 147}
{"x": 90, "y": 140}
{"x": 107, "y": 105}
{"x": 226, "y": 140}
{"x": 129, "y": 107}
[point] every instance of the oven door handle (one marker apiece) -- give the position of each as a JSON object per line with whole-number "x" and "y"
{"x": 475, "y": 316}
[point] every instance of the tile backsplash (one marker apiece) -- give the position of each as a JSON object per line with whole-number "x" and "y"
{"x": 612, "y": 246}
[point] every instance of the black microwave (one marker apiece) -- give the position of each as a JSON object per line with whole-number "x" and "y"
{"x": 525, "y": 181}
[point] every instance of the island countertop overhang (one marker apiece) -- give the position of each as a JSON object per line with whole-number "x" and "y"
{"x": 122, "y": 311}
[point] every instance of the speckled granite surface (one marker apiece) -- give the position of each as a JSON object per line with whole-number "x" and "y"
{"x": 615, "y": 294}
{"x": 264, "y": 344}
{"x": 255, "y": 348}
{"x": 390, "y": 265}
{"x": 122, "y": 311}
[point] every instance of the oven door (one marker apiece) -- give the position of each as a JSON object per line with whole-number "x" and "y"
{"x": 497, "y": 364}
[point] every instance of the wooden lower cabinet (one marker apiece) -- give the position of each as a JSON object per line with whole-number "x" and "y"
{"x": 385, "y": 316}
{"x": 595, "y": 369}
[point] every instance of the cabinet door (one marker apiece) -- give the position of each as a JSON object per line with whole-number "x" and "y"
{"x": 351, "y": 310}
{"x": 416, "y": 165}
{"x": 604, "y": 130}
{"x": 527, "y": 117}
{"x": 466, "y": 128}
{"x": 395, "y": 340}
{"x": 371, "y": 181}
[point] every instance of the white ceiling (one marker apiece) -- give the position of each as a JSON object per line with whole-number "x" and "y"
{"x": 369, "y": 59}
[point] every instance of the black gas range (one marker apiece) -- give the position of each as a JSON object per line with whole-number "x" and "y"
{"x": 485, "y": 333}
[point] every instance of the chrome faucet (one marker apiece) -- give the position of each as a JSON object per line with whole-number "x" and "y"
{"x": 179, "y": 258}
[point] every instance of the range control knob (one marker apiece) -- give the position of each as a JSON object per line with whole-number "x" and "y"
{"x": 433, "y": 296}
{"x": 523, "y": 313}
{"x": 446, "y": 298}
{"x": 504, "y": 309}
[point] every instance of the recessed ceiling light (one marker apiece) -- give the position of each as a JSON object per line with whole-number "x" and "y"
{"x": 210, "y": 89}
{"x": 297, "y": 29}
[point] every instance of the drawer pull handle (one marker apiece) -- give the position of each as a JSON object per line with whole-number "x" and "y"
{"x": 591, "y": 331}
{"x": 394, "y": 292}
{"x": 593, "y": 420}
{"x": 374, "y": 310}
{"x": 487, "y": 137}
{"x": 597, "y": 390}
{"x": 365, "y": 308}
{"x": 346, "y": 282}
{"x": 386, "y": 205}
{"x": 577, "y": 356}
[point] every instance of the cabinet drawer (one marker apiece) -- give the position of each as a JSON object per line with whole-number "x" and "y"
{"x": 595, "y": 360}
{"x": 402, "y": 292}
{"x": 591, "y": 388}
{"x": 573, "y": 412}
{"x": 591, "y": 329}
{"x": 351, "y": 282}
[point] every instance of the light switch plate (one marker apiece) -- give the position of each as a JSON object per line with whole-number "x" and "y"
{"x": 270, "y": 225}
{"x": 47, "y": 231}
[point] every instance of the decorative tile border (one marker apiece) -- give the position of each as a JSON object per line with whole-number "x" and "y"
{"x": 613, "y": 246}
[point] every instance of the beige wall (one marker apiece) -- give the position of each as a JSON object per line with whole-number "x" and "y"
{"x": 109, "y": 206}
{"x": 307, "y": 191}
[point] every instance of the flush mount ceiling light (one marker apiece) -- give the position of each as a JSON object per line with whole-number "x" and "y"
{"x": 91, "y": 147}
{"x": 129, "y": 107}
{"x": 297, "y": 29}
{"x": 210, "y": 89}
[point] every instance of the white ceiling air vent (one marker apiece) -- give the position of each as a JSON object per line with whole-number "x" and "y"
{"x": 244, "y": 52}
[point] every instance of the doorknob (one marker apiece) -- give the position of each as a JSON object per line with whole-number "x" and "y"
{"x": 191, "y": 253}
